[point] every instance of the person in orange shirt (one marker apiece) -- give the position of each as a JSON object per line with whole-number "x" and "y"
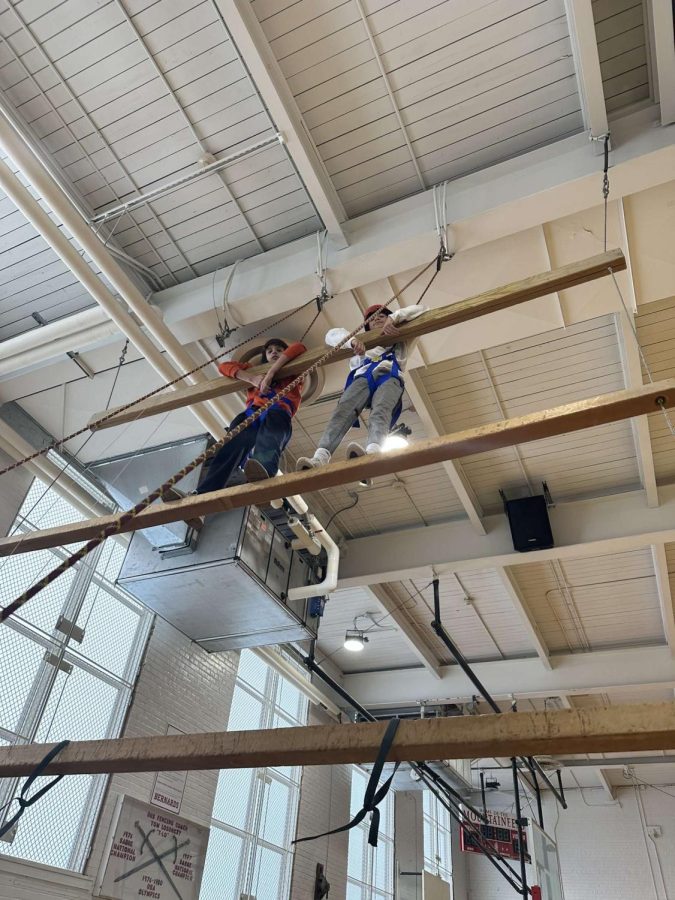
{"x": 262, "y": 442}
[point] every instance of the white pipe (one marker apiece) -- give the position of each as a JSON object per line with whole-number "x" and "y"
{"x": 329, "y": 583}
{"x": 303, "y": 539}
{"x": 48, "y": 351}
{"x": 46, "y": 187}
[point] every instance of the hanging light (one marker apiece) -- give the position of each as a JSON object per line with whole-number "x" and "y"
{"x": 355, "y": 640}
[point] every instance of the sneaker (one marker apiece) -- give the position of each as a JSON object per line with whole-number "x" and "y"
{"x": 255, "y": 471}
{"x": 174, "y": 493}
{"x": 355, "y": 451}
{"x": 310, "y": 462}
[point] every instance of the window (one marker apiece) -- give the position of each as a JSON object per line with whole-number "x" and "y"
{"x": 437, "y": 853}
{"x": 63, "y": 677}
{"x": 255, "y": 810}
{"x": 370, "y": 870}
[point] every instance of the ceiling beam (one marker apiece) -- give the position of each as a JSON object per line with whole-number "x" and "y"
{"x": 630, "y": 728}
{"x": 510, "y": 585}
{"x": 592, "y": 527}
{"x": 523, "y": 193}
{"x": 596, "y": 672}
{"x": 249, "y": 38}
{"x": 505, "y": 433}
{"x": 410, "y": 632}
{"x": 494, "y": 300}
{"x": 661, "y": 32}
{"x": 665, "y": 595}
{"x": 632, "y": 373}
{"x": 587, "y": 65}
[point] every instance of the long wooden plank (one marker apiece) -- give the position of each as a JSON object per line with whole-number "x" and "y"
{"x": 433, "y": 320}
{"x": 505, "y": 433}
{"x": 625, "y": 728}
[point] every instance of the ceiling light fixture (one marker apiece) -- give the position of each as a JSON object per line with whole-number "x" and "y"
{"x": 355, "y": 640}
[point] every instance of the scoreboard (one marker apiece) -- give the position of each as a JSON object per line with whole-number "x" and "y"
{"x": 499, "y": 833}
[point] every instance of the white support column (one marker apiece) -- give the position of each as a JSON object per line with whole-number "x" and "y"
{"x": 249, "y": 38}
{"x": 665, "y": 594}
{"x": 587, "y": 65}
{"x": 605, "y": 783}
{"x": 661, "y": 12}
{"x": 511, "y": 587}
{"x": 632, "y": 371}
{"x": 408, "y": 630}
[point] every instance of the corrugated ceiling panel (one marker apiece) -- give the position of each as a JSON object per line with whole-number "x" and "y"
{"x": 476, "y": 612}
{"x": 529, "y": 375}
{"x": 116, "y": 128}
{"x": 474, "y": 84}
{"x": 655, "y": 325}
{"x": 620, "y": 33}
{"x": 386, "y": 649}
{"x": 590, "y": 603}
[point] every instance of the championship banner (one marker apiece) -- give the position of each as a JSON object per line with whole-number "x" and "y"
{"x": 151, "y": 854}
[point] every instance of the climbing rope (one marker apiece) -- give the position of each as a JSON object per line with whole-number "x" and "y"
{"x": 119, "y": 524}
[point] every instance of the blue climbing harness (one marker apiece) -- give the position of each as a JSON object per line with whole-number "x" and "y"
{"x": 374, "y": 382}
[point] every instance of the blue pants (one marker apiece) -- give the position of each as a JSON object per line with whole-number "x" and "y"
{"x": 265, "y": 439}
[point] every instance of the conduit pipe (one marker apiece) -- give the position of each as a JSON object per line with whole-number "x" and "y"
{"x": 13, "y": 145}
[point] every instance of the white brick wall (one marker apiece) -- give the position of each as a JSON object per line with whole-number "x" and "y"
{"x": 324, "y": 804}
{"x": 603, "y": 852}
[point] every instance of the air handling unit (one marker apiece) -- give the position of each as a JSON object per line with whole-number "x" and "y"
{"x": 238, "y": 584}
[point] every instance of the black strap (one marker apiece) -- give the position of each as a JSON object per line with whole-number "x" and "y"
{"x": 23, "y": 801}
{"x": 372, "y": 796}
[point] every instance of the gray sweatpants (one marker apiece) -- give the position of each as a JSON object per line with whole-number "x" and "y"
{"x": 352, "y": 402}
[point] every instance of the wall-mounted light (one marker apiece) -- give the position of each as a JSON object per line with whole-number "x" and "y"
{"x": 355, "y": 640}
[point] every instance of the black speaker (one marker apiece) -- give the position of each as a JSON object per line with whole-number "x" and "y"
{"x": 529, "y": 522}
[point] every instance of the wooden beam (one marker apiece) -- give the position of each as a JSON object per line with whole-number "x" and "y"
{"x": 630, "y": 727}
{"x": 520, "y": 430}
{"x": 433, "y": 320}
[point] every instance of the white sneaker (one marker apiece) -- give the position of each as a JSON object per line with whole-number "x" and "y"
{"x": 320, "y": 458}
{"x": 355, "y": 451}
{"x": 373, "y": 448}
